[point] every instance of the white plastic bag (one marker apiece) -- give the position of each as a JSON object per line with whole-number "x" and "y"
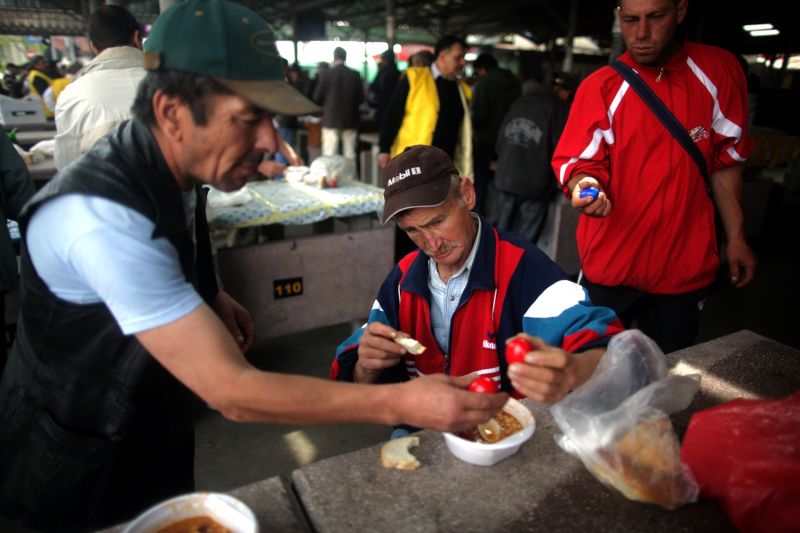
{"x": 618, "y": 424}
{"x": 330, "y": 171}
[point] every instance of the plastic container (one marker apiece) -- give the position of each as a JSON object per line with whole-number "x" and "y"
{"x": 223, "y": 509}
{"x": 478, "y": 453}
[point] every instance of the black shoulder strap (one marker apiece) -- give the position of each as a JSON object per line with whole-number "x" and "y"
{"x": 665, "y": 116}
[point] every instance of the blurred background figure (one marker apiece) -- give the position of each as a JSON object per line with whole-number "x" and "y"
{"x": 16, "y": 188}
{"x": 382, "y": 87}
{"x": 52, "y": 93}
{"x": 524, "y": 182}
{"x": 423, "y": 58}
{"x": 12, "y": 82}
{"x": 101, "y": 94}
{"x": 39, "y": 81}
{"x": 287, "y": 125}
{"x": 495, "y": 90}
{"x": 340, "y": 92}
{"x": 564, "y": 85}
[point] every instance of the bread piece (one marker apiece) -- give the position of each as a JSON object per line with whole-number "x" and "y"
{"x": 395, "y": 454}
{"x": 413, "y": 346}
{"x": 645, "y": 465}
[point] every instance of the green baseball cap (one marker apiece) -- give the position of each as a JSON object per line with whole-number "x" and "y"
{"x": 230, "y": 43}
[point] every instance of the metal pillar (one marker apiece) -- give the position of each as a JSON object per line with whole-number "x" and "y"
{"x": 294, "y": 37}
{"x": 568, "y": 64}
{"x": 391, "y": 22}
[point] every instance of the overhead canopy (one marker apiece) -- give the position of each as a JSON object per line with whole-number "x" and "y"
{"x": 542, "y": 21}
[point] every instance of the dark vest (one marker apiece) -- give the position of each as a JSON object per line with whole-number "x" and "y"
{"x": 92, "y": 428}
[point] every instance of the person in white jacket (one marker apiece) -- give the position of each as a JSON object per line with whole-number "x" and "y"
{"x": 101, "y": 94}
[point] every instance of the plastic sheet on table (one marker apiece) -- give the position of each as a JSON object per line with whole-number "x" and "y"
{"x": 283, "y": 202}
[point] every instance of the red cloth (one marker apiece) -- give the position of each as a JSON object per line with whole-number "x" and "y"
{"x": 746, "y": 453}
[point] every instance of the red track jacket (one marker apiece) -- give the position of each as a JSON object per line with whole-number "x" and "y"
{"x": 660, "y": 236}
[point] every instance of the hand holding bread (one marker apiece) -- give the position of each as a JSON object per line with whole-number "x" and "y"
{"x": 382, "y": 347}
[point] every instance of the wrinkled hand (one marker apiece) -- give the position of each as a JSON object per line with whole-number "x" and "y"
{"x": 441, "y": 403}
{"x": 271, "y": 168}
{"x": 383, "y": 160}
{"x": 549, "y": 373}
{"x": 377, "y": 351}
{"x": 236, "y": 319}
{"x": 742, "y": 263}
{"x": 589, "y": 206}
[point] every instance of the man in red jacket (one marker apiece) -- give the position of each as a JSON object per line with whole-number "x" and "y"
{"x": 648, "y": 242}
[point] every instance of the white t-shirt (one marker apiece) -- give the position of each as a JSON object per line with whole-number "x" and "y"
{"x": 88, "y": 250}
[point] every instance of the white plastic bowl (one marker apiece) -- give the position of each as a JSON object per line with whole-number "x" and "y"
{"x": 224, "y": 509}
{"x": 483, "y": 454}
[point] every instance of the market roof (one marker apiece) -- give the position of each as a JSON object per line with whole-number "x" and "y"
{"x": 541, "y": 21}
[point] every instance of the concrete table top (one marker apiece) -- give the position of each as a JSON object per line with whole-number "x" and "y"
{"x": 541, "y": 487}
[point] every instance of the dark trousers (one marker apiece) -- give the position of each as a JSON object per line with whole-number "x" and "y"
{"x": 518, "y": 214}
{"x": 671, "y": 320}
{"x": 482, "y": 168}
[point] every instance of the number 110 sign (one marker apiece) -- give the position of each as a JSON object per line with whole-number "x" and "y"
{"x": 286, "y": 288}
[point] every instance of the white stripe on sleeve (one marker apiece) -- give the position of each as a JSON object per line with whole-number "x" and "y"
{"x": 719, "y": 122}
{"x": 556, "y": 299}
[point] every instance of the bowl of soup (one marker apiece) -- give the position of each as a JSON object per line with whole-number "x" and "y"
{"x": 517, "y": 425}
{"x": 206, "y": 512}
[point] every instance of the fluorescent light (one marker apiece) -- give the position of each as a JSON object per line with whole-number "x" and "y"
{"x": 764, "y": 33}
{"x": 470, "y": 56}
{"x": 756, "y": 27}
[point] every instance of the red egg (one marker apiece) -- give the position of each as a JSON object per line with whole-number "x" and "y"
{"x": 516, "y": 350}
{"x": 484, "y": 385}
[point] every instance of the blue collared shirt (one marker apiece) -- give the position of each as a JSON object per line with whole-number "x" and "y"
{"x": 446, "y": 296}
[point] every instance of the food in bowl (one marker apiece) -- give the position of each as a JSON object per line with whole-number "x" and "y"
{"x": 229, "y": 513}
{"x": 482, "y": 454}
{"x": 196, "y": 524}
{"x": 508, "y": 426}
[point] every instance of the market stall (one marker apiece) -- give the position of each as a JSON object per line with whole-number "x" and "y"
{"x": 300, "y": 257}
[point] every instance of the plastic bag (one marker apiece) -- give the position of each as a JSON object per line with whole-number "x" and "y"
{"x": 617, "y": 423}
{"x": 746, "y": 453}
{"x": 330, "y": 171}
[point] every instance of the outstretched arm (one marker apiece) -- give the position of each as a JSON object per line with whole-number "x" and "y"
{"x": 199, "y": 351}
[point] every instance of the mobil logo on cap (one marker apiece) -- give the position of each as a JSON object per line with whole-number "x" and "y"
{"x": 403, "y": 175}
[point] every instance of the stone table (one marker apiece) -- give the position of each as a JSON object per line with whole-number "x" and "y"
{"x": 540, "y": 488}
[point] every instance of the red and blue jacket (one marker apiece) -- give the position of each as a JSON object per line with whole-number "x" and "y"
{"x": 513, "y": 287}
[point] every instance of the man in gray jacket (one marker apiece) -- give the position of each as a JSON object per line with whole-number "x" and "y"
{"x": 523, "y": 180}
{"x": 101, "y": 94}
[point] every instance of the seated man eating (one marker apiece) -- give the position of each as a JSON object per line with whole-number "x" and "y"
{"x": 466, "y": 291}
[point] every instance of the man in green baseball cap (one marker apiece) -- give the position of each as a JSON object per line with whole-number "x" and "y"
{"x": 121, "y": 322}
